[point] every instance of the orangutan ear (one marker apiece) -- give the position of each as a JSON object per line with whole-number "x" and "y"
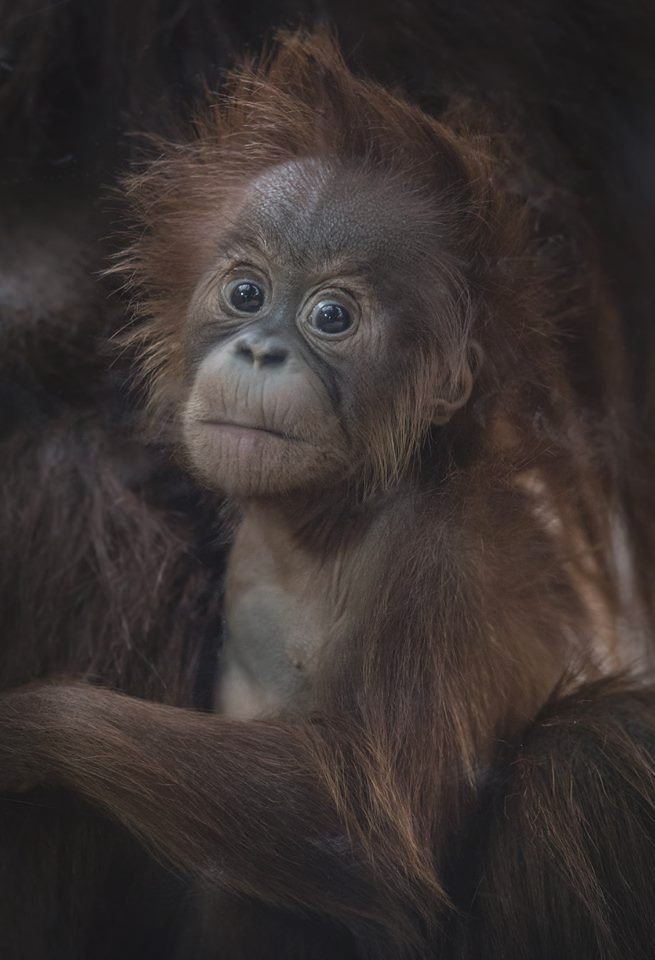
{"x": 444, "y": 409}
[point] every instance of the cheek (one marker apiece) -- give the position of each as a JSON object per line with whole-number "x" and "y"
{"x": 250, "y": 431}
{"x": 389, "y": 415}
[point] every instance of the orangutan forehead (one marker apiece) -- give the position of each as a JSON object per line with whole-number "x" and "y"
{"x": 309, "y": 208}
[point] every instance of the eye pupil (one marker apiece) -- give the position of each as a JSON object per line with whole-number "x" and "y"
{"x": 247, "y": 297}
{"x": 331, "y": 318}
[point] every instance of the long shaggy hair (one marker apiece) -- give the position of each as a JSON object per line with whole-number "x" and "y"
{"x": 470, "y": 737}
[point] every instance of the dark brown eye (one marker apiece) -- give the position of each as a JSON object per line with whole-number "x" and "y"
{"x": 330, "y": 318}
{"x": 245, "y": 296}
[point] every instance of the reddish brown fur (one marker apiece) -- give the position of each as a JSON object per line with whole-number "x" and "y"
{"x": 445, "y": 708}
{"x": 358, "y": 813}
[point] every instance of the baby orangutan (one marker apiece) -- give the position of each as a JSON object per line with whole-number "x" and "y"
{"x": 323, "y": 280}
{"x": 420, "y": 736}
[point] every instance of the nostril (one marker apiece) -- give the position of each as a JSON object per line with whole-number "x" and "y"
{"x": 273, "y": 357}
{"x": 245, "y": 351}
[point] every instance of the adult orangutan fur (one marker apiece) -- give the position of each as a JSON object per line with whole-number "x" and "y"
{"x": 475, "y": 778}
{"x": 109, "y": 553}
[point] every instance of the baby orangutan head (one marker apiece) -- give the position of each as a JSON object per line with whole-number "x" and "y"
{"x": 304, "y": 261}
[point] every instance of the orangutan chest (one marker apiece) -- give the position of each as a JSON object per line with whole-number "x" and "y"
{"x": 277, "y": 621}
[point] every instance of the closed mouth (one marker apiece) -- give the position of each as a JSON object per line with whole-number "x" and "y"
{"x": 249, "y": 426}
